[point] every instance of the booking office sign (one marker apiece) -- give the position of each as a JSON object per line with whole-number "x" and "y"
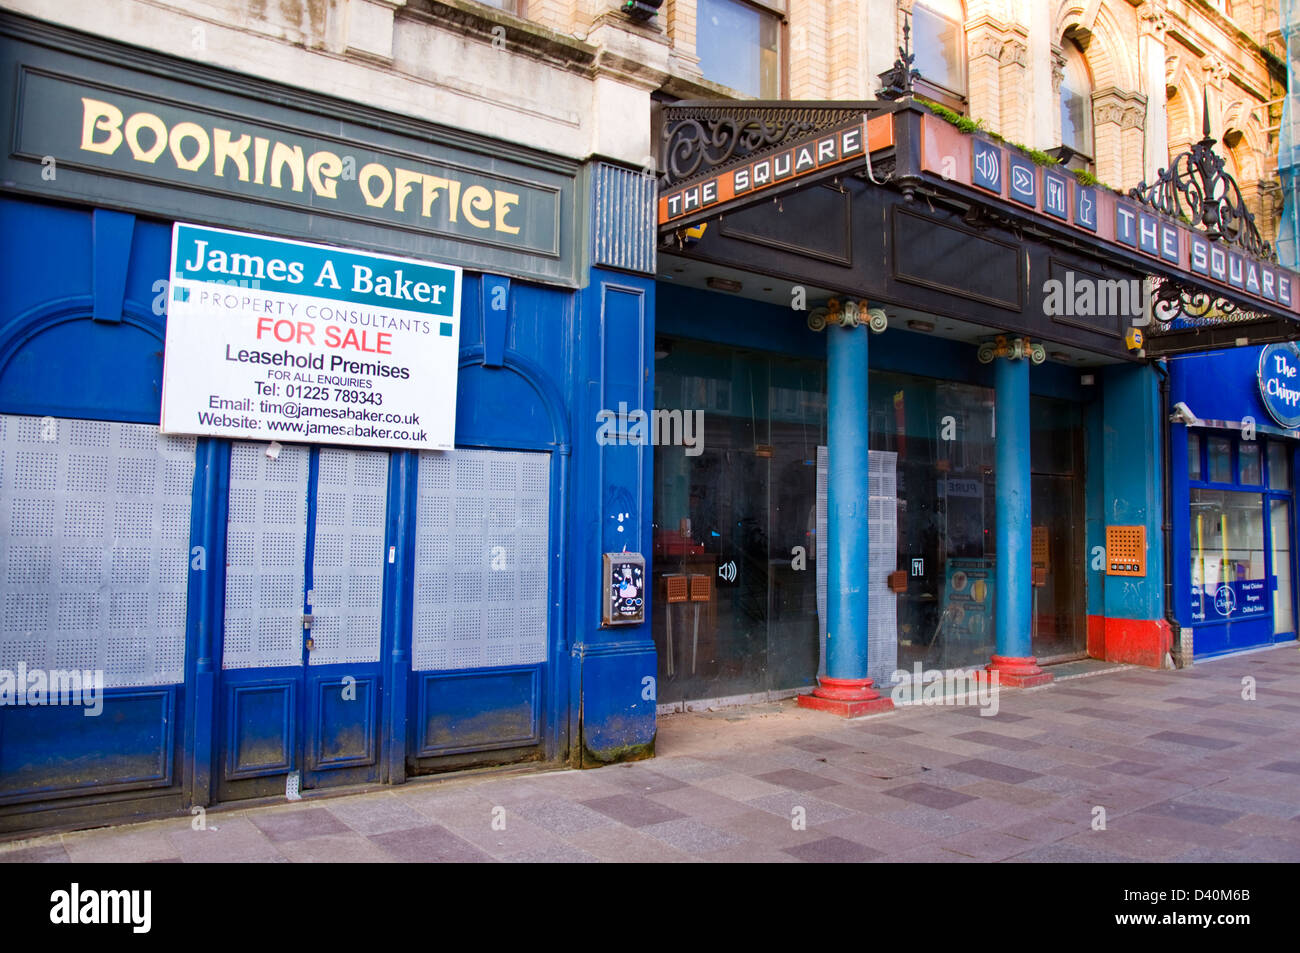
{"x": 269, "y": 339}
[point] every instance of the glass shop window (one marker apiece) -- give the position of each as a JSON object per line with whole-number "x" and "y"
{"x": 1219, "y": 452}
{"x": 739, "y": 46}
{"x": 1279, "y": 469}
{"x": 1248, "y": 462}
{"x": 1228, "y": 570}
{"x": 1194, "y": 457}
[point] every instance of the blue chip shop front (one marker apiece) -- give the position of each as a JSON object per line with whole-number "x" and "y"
{"x": 289, "y": 392}
{"x": 1233, "y": 444}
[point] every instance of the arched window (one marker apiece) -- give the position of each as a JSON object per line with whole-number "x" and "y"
{"x": 1076, "y": 101}
{"x": 939, "y": 42}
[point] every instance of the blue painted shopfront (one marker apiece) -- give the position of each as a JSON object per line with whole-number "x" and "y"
{"x": 1233, "y": 501}
{"x": 81, "y": 346}
{"x": 270, "y": 618}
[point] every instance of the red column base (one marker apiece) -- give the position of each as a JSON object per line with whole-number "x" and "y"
{"x": 1017, "y": 672}
{"x": 846, "y": 697}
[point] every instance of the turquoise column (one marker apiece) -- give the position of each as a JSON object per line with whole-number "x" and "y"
{"x": 1013, "y": 658}
{"x": 846, "y": 689}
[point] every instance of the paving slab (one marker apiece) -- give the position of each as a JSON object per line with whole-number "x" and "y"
{"x": 1185, "y": 769}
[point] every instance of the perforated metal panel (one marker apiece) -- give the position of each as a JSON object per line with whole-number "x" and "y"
{"x": 482, "y": 554}
{"x": 94, "y": 548}
{"x": 348, "y": 556}
{"x": 1126, "y": 550}
{"x": 882, "y": 602}
{"x": 266, "y": 547}
{"x": 882, "y": 527}
{"x": 1040, "y": 548}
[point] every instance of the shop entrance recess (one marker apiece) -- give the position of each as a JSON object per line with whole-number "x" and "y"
{"x": 305, "y": 564}
{"x": 1057, "y": 546}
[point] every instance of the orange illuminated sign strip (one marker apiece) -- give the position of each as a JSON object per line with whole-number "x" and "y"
{"x": 822, "y": 151}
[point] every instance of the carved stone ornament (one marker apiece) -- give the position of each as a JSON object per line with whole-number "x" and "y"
{"x": 1151, "y": 19}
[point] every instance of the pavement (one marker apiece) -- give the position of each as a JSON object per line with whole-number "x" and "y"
{"x": 1200, "y": 764}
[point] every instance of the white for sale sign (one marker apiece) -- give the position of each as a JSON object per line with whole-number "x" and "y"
{"x": 269, "y": 339}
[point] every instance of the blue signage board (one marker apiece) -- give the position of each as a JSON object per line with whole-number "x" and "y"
{"x": 1024, "y": 181}
{"x": 987, "y": 161}
{"x": 1085, "y": 206}
{"x": 1279, "y": 383}
{"x": 1054, "y": 200}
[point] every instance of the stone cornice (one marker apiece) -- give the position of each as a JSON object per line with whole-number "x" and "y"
{"x": 523, "y": 37}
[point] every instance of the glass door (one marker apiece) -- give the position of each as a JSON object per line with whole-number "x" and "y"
{"x": 1279, "y": 517}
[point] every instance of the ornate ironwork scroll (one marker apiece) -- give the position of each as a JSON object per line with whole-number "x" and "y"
{"x": 705, "y": 136}
{"x": 1176, "y": 305}
{"x": 1196, "y": 185}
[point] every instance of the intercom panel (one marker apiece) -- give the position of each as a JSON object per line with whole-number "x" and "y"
{"x": 624, "y": 588}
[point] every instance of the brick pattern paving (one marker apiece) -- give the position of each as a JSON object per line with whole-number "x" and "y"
{"x": 1184, "y": 767}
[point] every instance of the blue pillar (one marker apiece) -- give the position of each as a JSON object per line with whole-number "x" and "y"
{"x": 1014, "y": 529}
{"x": 1013, "y": 593}
{"x": 846, "y": 689}
{"x": 848, "y": 500}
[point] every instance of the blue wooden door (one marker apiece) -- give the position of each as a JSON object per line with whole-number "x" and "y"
{"x": 307, "y": 550}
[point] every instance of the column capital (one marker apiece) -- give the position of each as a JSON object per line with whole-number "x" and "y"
{"x": 1058, "y": 70}
{"x": 1214, "y": 69}
{"x": 1012, "y": 348}
{"x": 1151, "y": 20}
{"x": 847, "y": 314}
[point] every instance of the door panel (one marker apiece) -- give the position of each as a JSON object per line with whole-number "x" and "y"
{"x": 481, "y": 608}
{"x": 306, "y": 547}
